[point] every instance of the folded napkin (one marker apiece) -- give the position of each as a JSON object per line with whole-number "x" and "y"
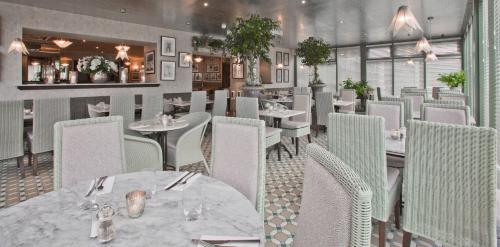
{"x": 233, "y": 241}
{"x": 107, "y": 186}
{"x": 190, "y": 181}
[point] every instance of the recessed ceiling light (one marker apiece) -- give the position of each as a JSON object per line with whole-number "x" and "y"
{"x": 304, "y": 2}
{"x": 205, "y": 4}
{"x": 123, "y": 10}
{"x": 84, "y": 41}
{"x": 341, "y": 21}
{"x": 341, "y": 54}
{"x": 188, "y": 23}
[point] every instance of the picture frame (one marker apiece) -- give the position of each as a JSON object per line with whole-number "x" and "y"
{"x": 168, "y": 46}
{"x": 167, "y": 71}
{"x": 286, "y": 59}
{"x": 149, "y": 62}
{"x": 279, "y": 75}
{"x": 219, "y": 76}
{"x": 213, "y": 68}
{"x": 286, "y": 75}
{"x": 182, "y": 60}
{"x": 279, "y": 57}
{"x": 197, "y": 76}
{"x": 238, "y": 71}
{"x": 196, "y": 67}
{"x": 135, "y": 76}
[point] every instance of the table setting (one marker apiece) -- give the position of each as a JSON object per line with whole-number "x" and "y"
{"x": 150, "y": 208}
{"x": 395, "y": 142}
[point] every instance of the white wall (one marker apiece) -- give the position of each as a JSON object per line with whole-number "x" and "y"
{"x": 13, "y": 18}
{"x": 290, "y": 68}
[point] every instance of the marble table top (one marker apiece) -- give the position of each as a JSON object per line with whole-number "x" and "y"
{"x": 154, "y": 125}
{"x": 280, "y": 114}
{"x": 395, "y": 147}
{"x": 342, "y": 103}
{"x": 56, "y": 219}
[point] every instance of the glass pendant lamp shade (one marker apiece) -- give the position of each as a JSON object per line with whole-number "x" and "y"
{"x": 404, "y": 18}
{"x": 61, "y": 43}
{"x": 198, "y": 59}
{"x": 431, "y": 57}
{"x": 18, "y": 46}
{"x": 423, "y": 45}
{"x": 122, "y": 52}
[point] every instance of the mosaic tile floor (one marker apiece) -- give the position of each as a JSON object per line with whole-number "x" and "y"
{"x": 283, "y": 185}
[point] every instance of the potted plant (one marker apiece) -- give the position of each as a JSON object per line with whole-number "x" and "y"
{"x": 98, "y": 67}
{"x": 314, "y": 52}
{"x": 453, "y": 80}
{"x": 362, "y": 90}
{"x": 250, "y": 40}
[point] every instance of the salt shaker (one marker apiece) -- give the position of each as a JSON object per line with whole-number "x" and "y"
{"x": 106, "y": 230}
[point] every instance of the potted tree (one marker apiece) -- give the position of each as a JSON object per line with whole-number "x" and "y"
{"x": 454, "y": 80}
{"x": 314, "y": 52}
{"x": 362, "y": 90}
{"x": 250, "y": 40}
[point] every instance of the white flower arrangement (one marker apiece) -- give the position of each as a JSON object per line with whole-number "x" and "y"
{"x": 94, "y": 64}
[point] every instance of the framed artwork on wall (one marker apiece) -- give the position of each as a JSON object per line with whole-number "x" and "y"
{"x": 134, "y": 76}
{"x": 279, "y": 57}
{"x": 196, "y": 67}
{"x": 238, "y": 71}
{"x": 286, "y": 75}
{"x": 212, "y": 68}
{"x": 286, "y": 59}
{"x": 279, "y": 75}
{"x": 184, "y": 60}
{"x": 197, "y": 76}
{"x": 167, "y": 71}
{"x": 149, "y": 62}
{"x": 167, "y": 46}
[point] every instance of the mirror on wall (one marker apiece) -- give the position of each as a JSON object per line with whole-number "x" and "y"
{"x": 47, "y": 62}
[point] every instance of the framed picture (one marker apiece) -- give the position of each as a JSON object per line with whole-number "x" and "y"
{"x": 149, "y": 62}
{"x": 167, "y": 71}
{"x": 212, "y": 68}
{"x": 286, "y": 75}
{"x": 184, "y": 60}
{"x": 167, "y": 46}
{"x": 279, "y": 57}
{"x": 196, "y": 67}
{"x": 279, "y": 75}
{"x": 197, "y": 76}
{"x": 219, "y": 76}
{"x": 238, "y": 71}
{"x": 286, "y": 59}
{"x": 134, "y": 76}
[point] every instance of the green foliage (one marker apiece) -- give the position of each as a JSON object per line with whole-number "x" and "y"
{"x": 361, "y": 88}
{"x": 250, "y": 39}
{"x": 314, "y": 52}
{"x": 456, "y": 79}
{"x": 206, "y": 41}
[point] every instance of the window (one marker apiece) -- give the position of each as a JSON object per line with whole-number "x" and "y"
{"x": 444, "y": 65}
{"x": 328, "y": 75}
{"x": 379, "y": 74}
{"x": 408, "y": 74}
{"x": 349, "y": 64}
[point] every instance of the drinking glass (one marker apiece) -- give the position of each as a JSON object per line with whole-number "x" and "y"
{"x": 192, "y": 204}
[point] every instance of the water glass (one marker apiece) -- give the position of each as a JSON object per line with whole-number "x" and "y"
{"x": 106, "y": 230}
{"x": 136, "y": 202}
{"x": 192, "y": 205}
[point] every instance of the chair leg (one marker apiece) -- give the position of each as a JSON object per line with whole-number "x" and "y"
{"x": 293, "y": 140}
{"x": 309, "y": 138}
{"x": 20, "y": 164}
{"x": 397, "y": 212}
{"x": 406, "y": 239}
{"x": 206, "y": 167}
{"x": 279, "y": 150}
{"x": 317, "y": 130}
{"x": 35, "y": 164}
{"x": 381, "y": 234}
{"x": 30, "y": 158}
{"x": 296, "y": 146}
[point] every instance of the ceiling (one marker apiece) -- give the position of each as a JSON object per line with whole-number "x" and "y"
{"x": 339, "y": 22}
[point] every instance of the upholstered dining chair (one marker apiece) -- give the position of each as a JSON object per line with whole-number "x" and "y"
{"x": 241, "y": 162}
{"x": 123, "y": 105}
{"x": 88, "y": 148}
{"x": 445, "y": 102}
{"x": 324, "y": 106}
{"x": 220, "y": 103}
{"x": 94, "y": 112}
{"x": 152, "y": 104}
{"x": 417, "y": 99}
{"x": 11, "y": 132}
{"x": 391, "y": 111}
{"x": 299, "y": 125}
{"x": 184, "y": 145}
{"x": 46, "y": 112}
{"x": 359, "y": 141}
{"x": 198, "y": 101}
{"x": 348, "y": 95}
{"x": 249, "y": 108}
{"x": 440, "y": 113}
{"x": 449, "y": 193}
{"x": 408, "y": 108}
{"x": 301, "y": 90}
{"x": 455, "y": 96}
{"x": 336, "y": 203}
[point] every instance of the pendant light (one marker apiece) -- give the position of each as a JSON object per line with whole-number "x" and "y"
{"x": 423, "y": 45}
{"x": 198, "y": 59}
{"x": 122, "y": 52}
{"x": 62, "y": 43}
{"x": 431, "y": 56}
{"x": 18, "y": 46}
{"x": 404, "y": 18}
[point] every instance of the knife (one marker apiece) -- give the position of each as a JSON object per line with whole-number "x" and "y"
{"x": 92, "y": 188}
{"x": 178, "y": 181}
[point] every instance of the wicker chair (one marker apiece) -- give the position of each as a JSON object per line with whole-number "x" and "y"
{"x": 336, "y": 203}
{"x": 445, "y": 102}
{"x": 241, "y": 162}
{"x": 455, "y": 96}
{"x": 324, "y": 106}
{"x": 11, "y": 132}
{"x": 391, "y": 111}
{"x": 359, "y": 141}
{"x": 450, "y": 184}
{"x": 299, "y": 125}
{"x": 348, "y": 95}
{"x": 152, "y": 104}
{"x": 220, "y": 103}
{"x": 439, "y": 113}
{"x": 407, "y": 105}
{"x": 417, "y": 99}
{"x": 301, "y": 90}
{"x": 123, "y": 105}
{"x": 46, "y": 112}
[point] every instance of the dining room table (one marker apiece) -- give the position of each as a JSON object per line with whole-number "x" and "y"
{"x": 63, "y": 218}
{"x": 339, "y": 103}
{"x": 184, "y": 104}
{"x": 278, "y": 115}
{"x": 160, "y": 130}
{"x": 395, "y": 146}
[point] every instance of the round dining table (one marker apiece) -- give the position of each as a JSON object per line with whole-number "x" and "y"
{"x": 58, "y": 219}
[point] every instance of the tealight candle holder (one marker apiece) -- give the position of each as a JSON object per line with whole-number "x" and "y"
{"x": 136, "y": 201}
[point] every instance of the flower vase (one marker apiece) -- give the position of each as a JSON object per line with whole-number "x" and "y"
{"x": 99, "y": 77}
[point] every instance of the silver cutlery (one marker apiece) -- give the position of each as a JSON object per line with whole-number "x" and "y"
{"x": 178, "y": 181}
{"x": 92, "y": 188}
{"x": 101, "y": 184}
{"x": 187, "y": 178}
{"x": 203, "y": 243}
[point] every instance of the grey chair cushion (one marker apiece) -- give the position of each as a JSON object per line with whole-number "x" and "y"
{"x": 392, "y": 177}
{"x": 294, "y": 125}
{"x": 270, "y": 131}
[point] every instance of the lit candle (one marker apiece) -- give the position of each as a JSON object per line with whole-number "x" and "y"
{"x": 136, "y": 201}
